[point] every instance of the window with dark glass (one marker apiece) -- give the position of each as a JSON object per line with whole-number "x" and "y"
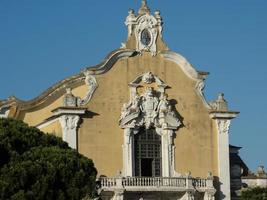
{"x": 147, "y": 145}
{"x": 145, "y": 37}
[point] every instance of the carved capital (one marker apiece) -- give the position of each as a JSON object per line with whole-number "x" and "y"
{"x": 69, "y": 122}
{"x": 223, "y": 125}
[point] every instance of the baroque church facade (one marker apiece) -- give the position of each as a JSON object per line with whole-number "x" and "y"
{"x": 141, "y": 115}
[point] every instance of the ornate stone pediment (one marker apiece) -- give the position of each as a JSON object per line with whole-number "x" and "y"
{"x": 146, "y": 28}
{"x": 149, "y": 106}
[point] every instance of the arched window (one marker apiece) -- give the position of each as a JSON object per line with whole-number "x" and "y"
{"x": 147, "y": 149}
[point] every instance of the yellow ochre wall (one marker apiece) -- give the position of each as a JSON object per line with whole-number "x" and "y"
{"x": 101, "y": 138}
{"x": 53, "y": 128}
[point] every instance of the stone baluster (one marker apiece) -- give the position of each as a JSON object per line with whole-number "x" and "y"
{"x": 210, "y": 190}
{"x": 190, "y": 190}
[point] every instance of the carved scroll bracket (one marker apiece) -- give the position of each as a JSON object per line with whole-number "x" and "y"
{"x": 72, "y": 101}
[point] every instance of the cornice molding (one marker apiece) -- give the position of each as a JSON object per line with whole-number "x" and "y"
{"x": 60, "y": 87}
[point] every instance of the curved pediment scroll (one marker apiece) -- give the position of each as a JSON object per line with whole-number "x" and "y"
{"x": 149, "y": 106}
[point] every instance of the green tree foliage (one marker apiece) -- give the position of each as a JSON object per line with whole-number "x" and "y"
{"x": 254, "y": 194}
{"x": 36, "y": 166}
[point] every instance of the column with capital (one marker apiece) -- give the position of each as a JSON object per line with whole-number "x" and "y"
{"x": 222, "y": 120}
{"x": 69, "y": 125}
{"x": 69, "y": 118}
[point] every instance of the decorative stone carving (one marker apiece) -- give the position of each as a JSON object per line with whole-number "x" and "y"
{"x": 69, "y": 125}
{"x": 223, "y": 126}
{"x": 130, "y": 21}
{"x": 146, "y": 33}
{"x": 200, "y": 86}
{"x": 152, "y": 108}
{"x": 72, "y": 101}
{"x": 146, "y": 28}
{"x": 220, "y": 104}
{"x": 160, "y": 22}
{"x": 144, "y": 9}
{"x": 149, "y": 105}
{"x": 69, "y": 122}
{"x": 148, "y": 78}
{"x": 149, "y": 108}
{"x": 69, "y": 99}
{"x": 91, "y": 82}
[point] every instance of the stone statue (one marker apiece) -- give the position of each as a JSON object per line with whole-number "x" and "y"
{"x": 159, "y": 19}
{"x": 131, "y": 107}
{"x": 130, "y": 20}
{"x": 163, "y": 106}
{"x": 163, "y": 109}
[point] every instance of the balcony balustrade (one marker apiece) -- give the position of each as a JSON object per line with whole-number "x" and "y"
{"x": 155, "y": 183}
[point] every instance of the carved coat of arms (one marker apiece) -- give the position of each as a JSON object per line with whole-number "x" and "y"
{"x": 150, "y": 108}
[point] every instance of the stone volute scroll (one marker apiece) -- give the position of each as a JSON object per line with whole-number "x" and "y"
{"x": 92, "y": 85}
{"x": 149, "y": 108}
{"x": 70, "y": 100}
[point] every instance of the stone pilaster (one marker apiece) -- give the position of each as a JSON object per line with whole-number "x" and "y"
{"x": 128, "y": 153}
{"x": 69, "y": 125}
{"x": 69, "y": 119}
{"x": 222, "y": 121}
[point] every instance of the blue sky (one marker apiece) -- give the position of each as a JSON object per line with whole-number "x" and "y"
{"x": 44, "y": 41}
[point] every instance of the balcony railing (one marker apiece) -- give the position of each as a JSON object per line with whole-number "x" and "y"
{"x": 155, "y": 183}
